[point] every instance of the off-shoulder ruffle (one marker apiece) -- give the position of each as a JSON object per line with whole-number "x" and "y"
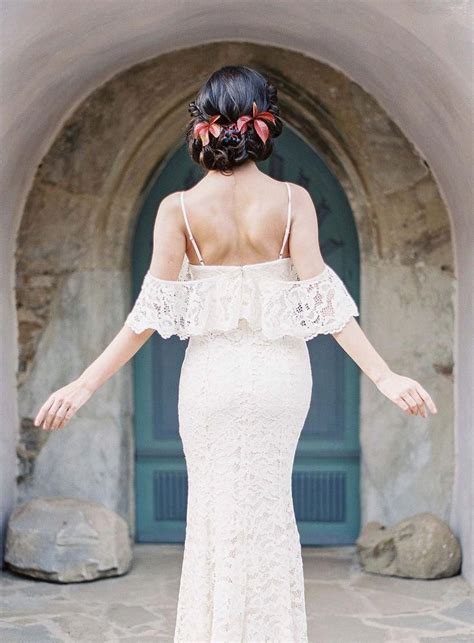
{"x": 301, "y": 308}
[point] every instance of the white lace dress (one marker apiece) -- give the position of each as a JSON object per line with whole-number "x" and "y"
{"x": 244, "y": 394}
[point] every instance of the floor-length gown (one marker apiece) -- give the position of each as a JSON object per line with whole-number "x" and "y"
{"x": 244, "y": 394}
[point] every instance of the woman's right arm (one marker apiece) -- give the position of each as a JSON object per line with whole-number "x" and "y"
{"x": 169, "y": 245}
{"x": 66, "y": 401}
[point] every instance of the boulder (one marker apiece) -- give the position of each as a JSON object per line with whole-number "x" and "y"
{"x": 421, "y": 546}
{"x": 67, "y": 540}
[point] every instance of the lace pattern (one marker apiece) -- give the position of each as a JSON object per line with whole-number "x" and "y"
{"x": 308, "y": 307}
{"x": 183, "y": 308}
{"x": 242, "y": 406}
{"x": 218, "y": 302}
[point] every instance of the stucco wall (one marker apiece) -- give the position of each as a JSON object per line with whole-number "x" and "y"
{"x": 414, "y": 57}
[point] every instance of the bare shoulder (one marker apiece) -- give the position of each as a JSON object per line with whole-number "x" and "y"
{"x": 304, "y": 235}
{"x": 169, "y": 211}
{"x": 170, "y": 204}
{"x": 298, "y": 191}
{"x": 303, "y": 208}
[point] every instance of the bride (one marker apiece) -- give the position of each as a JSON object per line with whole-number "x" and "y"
{"x": 237, "y": 269}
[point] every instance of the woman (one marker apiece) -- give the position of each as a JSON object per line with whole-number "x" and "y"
{"x": 255, "y": 289}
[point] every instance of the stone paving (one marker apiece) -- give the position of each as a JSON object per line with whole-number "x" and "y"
{"x": 344, "y": 604}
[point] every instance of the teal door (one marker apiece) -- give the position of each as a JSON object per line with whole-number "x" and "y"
{"x": 326, "y": 469}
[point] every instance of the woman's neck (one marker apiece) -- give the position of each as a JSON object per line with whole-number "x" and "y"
{"x": 248, "y": 169}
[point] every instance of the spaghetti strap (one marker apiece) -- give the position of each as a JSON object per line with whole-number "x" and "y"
{"x": 288, "y": 223}
{"x": 188, "y": 227}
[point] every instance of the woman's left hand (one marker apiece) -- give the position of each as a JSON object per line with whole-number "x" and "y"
{"x": 406, "y": 393}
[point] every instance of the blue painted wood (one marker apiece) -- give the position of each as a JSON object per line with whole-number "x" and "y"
{"x": 326, "y": 468}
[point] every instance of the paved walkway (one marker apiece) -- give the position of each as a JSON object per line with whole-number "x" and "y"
{"x": 343, "y": 604}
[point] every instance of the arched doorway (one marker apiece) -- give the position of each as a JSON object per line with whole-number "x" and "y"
{"x": 326, "y": 468}
{"x": 74, "y": 250}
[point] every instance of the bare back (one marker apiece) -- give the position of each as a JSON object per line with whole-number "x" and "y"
{"x": 248, "y": 228}
{"x": 246, "y": 218}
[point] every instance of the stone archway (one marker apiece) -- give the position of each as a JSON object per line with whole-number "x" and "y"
{"x": 73, "y": 265}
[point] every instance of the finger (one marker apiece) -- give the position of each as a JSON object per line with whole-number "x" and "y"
{"x": 417, "y": 397}
{"x": 426, "y": 397}
{"x": 67, "y": 416}
{"x": 411, "y": 402}
{"x": 59, "y": 417}
{"x": 48, "y": 422}
{"x": 402, "y": 404}
{"x": 407, "y": 403}
{"x": 43, "y": 411}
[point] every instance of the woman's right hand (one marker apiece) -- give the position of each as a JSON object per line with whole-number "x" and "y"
{"x": 61, "y": 405}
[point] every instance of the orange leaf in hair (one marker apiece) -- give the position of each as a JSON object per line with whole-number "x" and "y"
{"x": 203, "y": 128}
{"x": 258, "y": 120}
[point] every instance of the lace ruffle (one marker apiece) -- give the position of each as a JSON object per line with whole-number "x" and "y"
{"x": 300, "y": 308}
{"x": 306, "y": 307}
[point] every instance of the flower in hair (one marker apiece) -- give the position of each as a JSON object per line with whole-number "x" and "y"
{"x": 203, "y": 128}
{"x": 258, "y": 121}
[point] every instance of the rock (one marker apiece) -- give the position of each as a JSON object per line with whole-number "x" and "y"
{"x": 67, "y": 540}
{"x": 421, "y": 546}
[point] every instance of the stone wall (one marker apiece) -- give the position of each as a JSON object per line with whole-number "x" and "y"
{"x": 74, "y": 287}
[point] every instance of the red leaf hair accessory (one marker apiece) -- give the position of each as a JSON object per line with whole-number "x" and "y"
{"x": 203, "y": 128}
{"x": 258, "y": 121}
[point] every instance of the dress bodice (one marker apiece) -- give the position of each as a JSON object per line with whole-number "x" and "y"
{"x": 268, "y": 295}
{"x": 278, "y": 269}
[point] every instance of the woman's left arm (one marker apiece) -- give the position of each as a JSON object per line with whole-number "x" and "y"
{"x": 307, "y": 259}
{"x": 407, "y": 393}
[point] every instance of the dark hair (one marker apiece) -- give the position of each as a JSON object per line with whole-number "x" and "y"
{"x": 230, "y": 91}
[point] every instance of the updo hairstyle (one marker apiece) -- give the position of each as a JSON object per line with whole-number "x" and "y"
{"x": 231, "y": 91}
